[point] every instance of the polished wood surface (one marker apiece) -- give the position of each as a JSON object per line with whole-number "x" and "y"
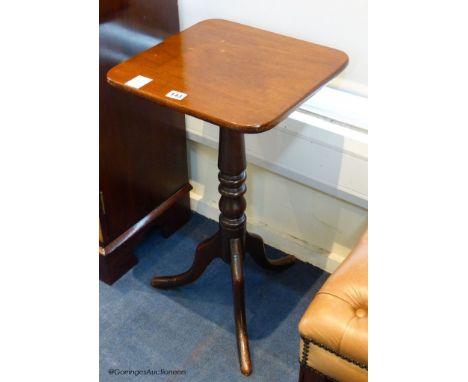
{"x": 146, "y": 221}
{"x": 205, "y": 253}
{"x": 232, "y": 241}
{"x": 142, "y": 146}
{"x": 237, "y": 250}
{"x": 234, "y": 75}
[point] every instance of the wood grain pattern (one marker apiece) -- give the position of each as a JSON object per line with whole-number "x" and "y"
{"x": 146, "y": 221}
{"x": 142, "y": 146}
{"x": 234, "y": 75}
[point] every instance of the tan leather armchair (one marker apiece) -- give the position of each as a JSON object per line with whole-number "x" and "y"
{"x": 333, "y": 330}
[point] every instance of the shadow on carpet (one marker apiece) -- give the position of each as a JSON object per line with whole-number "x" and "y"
{"x": 188, "y": 333}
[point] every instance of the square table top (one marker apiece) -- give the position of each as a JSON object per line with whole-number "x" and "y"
{"x": 230, "y": 74}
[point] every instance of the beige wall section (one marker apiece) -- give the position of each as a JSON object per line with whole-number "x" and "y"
{"x": 313, "y": 226}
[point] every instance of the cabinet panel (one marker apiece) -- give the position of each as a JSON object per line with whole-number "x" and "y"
{"x": 142, "y": 146}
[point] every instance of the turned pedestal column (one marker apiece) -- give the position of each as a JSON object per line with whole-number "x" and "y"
{"x": 232, "y": 241}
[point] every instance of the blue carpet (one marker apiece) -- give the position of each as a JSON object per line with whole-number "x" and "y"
{"x": 192, "y": 328}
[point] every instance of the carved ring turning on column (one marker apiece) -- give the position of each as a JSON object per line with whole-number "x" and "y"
{"x": 232, "y": 241}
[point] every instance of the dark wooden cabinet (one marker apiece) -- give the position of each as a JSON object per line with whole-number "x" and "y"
{"x": 143, "y": 177}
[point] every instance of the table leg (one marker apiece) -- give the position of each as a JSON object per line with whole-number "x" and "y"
{"x": 232, "y": 240}
{"x": 206, "y": 251}
{"x": 237, "y": 275}
{"x": 232, "y": 164}
{"x": 256, "y": 248}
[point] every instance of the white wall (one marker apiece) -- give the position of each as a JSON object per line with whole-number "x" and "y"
{"x": 314, "y": 212}
{"x": 340, "y": 24}
{"x": 313, "y": 226}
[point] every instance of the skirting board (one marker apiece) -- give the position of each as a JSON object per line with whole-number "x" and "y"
{"x": 316, "y": 256}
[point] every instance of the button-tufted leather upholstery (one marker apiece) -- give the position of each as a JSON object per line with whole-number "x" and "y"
{"x": 333, "y": 329}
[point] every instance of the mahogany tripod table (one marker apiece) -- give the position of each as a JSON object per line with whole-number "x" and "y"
{"x": 245, "y": 80}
